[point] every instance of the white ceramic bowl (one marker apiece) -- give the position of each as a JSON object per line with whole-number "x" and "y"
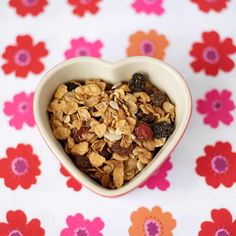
{"x": 161, "y": 75}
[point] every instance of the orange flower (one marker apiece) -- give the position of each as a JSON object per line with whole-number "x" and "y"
{"x": 147, "y": 44}
{"x": 154, "y": 223}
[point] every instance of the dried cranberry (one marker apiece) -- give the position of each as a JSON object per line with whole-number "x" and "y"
{"x": 158, "y": 98}
{"x": 163, "y": 129}
{"x": 82, "y": 162}
{"x": 71, "y": 86}
{"x": 143, "y": 132}
{"x": 117, "y": 148}
{"x": 105, "y": 153}
{"x": 137, "y": 82}
{"x": 77, "y": 134}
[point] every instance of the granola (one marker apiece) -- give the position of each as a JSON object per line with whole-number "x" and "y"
{"x": 111, "y": 132}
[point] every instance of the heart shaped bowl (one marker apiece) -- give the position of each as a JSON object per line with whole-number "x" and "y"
{"x": 160, "y": 74}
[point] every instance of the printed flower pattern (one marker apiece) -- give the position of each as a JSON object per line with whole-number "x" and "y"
{"x": 158, "y": 179}
{"x": 17, "y": 225}
{"x": 222, "y": 225}
{"x": 71, "y": 182}
{"x": 208, "y": 5}
{"x": 218, "y": 165}
{"x": 28, "y": 7}
{"x": 20, "y": 110}
{"x": 147, "y": 44}
{"x": 20, "y": 167}
{"x": 212, "y": 55}
{"x": 148, "y": 6}
{"x": 24, "y": 57}
{"x": 78, "y": 225}
{"x": 151, "y": 223}
{"x": 82, "y": 47}
{"x": 82, "y": 7}
{"x": 216, "y": 107}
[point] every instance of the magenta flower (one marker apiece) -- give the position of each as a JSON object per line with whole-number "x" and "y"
{"x": 77, "y": 225}
{"x": 148, "y": 6}
{"x": 216, "y": 107}
{"x": 158, "y": 179}
{"x": 81, "y": 47}
{"x": 20, "y": 110}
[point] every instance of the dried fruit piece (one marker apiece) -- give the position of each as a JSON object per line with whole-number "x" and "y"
{"x": 117, "y": 148}
{"x": 137, "y": 82}
{"x": 118, "y": 175}
{"x": 143, "y": 132}
{"x": 163, "y": 129}
{"x": 158, "y": 98}
{"x": 82, "y": 162}
{"x": 105, "y": 153}
{"x": 71, "y": 86}
{"x": 145, "y": 118}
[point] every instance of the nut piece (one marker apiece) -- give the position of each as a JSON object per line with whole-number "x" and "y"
{"x": 61, "y": 133}
{"x": 100, "y": 130}
{"x": 80, "y": 149}
{"x": 95, "y": 159}
{"x": 118, "y": 175}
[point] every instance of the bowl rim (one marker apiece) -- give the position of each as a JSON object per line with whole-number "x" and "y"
{"x": 88, "y": 184}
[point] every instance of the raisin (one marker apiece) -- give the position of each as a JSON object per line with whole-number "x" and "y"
{"x": 158, "y": 98}
{"x": 75, "y": 134}
{"x": 71, "y": 86}
{"x": 145, "y": 118}
{"x": 137, "y": 82}
{"x": 117, "y": 148}
{"x": 143, "y": 132}
{"x": 163, "y": 129}
{"x": 82, "y": 162}
{"x": 105, "y": 153}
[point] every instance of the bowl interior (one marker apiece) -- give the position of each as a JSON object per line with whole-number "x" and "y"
{"x": 160, "y": 74}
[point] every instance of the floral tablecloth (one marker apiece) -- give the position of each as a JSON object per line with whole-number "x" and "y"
{"x": 194, "y": 192}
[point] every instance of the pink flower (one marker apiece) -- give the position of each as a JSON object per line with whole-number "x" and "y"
{"x": 21, "y": 110}
{"x": 82, "y": 227}
{"x": 148, "y": 6}
{"x": 158, "y": 179}
{"x": 81, "y": 47}
{"x": 216, "y": 106}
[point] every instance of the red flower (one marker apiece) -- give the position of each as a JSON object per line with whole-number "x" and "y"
{"x": 222, "y": 225}
{"x": 84, "y": 6}
{"x": 27, "y": 7}
{"x": 212, "y": 54}
{"x": 20, "y": 167}
{"x": 218, "y": 166}
{"x": 17, "y": 225}
{"x": 215, "y": 5}
{"x": 71, "y": 182}
{"x": 24, "y": 57}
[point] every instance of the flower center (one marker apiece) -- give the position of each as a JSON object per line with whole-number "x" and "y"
{"x": 151, "y": 228}
{"x": 222, "y": 232}
{"x": 19, "y": 166}
{"x": 219, "y": 164}
{"x": 81, "y": 232}
{"x": 83, "y": 52}
{"x": 22, "y": 57}
{"x": 85, "y": 1}
{"x": 211, "y": 55}
{"x": 150, "y": 1}
{"x": 147, "y": 47}
{"x": 15, "y": 233}
{"x": 29, "y": 3}
{"x": 23, "y": 107}
{"x": 216, "y": 105}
